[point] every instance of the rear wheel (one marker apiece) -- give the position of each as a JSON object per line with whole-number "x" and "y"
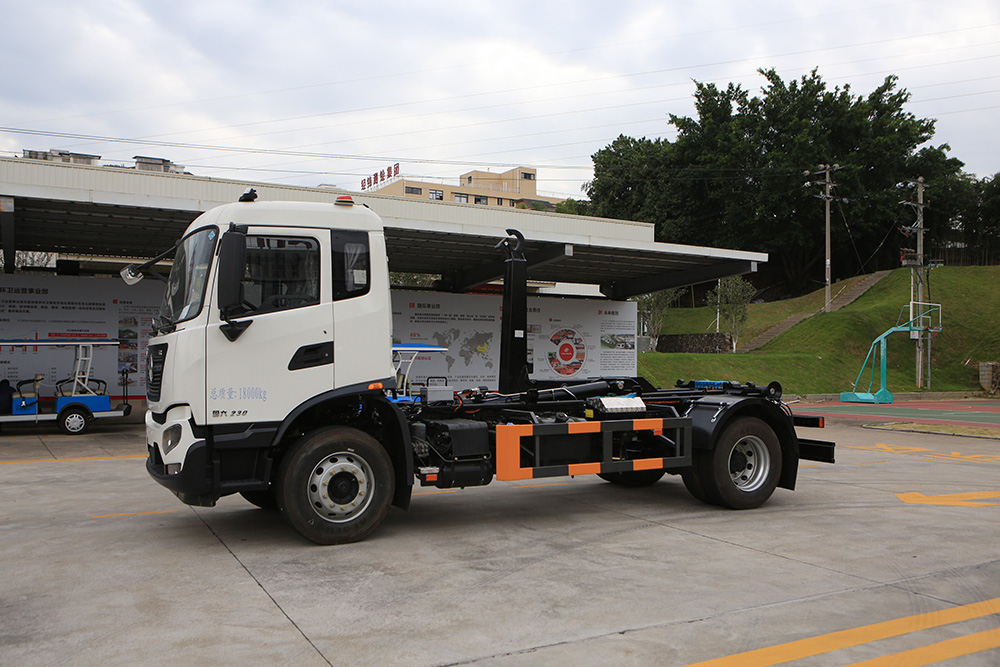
{"x": 743, "y": 469}
{"x": 692, "y": 482}
{"x": 74, "y": 421}
{"x": 336, "y": 485}
{"x": 633, "y": 478}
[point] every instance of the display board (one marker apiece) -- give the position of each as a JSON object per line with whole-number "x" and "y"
{"x": 568, "y": 339}
{"x": 34, "y": 307}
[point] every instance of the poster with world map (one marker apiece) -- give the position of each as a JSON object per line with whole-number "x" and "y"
{"x": 568, "y": 338}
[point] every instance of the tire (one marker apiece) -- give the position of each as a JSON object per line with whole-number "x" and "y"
{"x": 692, "y": 482}
{"x": 74, "y": 421}
{"x": 743, "y": 469}
{"x": 633, "y": 478}
{"x": 263, "y": 499}
{"x": 336, "y": 485}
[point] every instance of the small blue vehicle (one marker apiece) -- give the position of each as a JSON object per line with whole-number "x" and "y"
{"x": 79, "y": 399}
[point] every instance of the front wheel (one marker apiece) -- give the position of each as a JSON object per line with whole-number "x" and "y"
{"x": 264, "y": 499}
{"x": 336, "y": 485}
{"x": 743, "y": 469}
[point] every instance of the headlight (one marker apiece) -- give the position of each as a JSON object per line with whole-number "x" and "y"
{"x": 171, "y": 438}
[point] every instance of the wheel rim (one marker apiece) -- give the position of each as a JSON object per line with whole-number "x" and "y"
{"x": 749, "y": 463}
{"x": 340, "y": 487}
{"x": 74, "y": 422}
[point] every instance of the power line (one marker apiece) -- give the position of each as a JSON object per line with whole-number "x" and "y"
{"x": 368, "y": 78}
{"x": 548, "y": 86}
{"x": 260, "y": 151}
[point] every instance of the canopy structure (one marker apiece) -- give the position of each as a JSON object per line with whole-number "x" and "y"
{"x": 104, "y": 212}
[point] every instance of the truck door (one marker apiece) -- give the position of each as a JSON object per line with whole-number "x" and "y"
{"x": 281, "y": 349}
{"x": 362, "y": 314}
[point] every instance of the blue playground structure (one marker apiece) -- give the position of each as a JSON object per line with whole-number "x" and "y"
{"x": 928, "y": 319}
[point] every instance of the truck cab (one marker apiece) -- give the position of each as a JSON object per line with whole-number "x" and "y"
{"x": 310, "y": 321}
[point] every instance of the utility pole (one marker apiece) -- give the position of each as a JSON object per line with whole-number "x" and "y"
{"x": 827, "y": 196}
{"x": 918, "y": 275}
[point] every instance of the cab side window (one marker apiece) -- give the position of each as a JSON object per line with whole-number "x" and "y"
{"x": 351, "y": 265}
{"x": 282, "y": 272}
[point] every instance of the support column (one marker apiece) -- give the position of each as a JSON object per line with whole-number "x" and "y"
{"x": 7, "y": 233}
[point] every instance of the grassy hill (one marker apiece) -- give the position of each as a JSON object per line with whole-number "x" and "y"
{"x": 824, "y": 353}
{"x": 762, "y": 315}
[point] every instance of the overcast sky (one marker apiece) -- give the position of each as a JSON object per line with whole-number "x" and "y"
{"x": 308, "y": 92}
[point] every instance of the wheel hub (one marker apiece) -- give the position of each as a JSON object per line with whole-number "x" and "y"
{"x": 340, "y": 487}
{"x": 749, "y": 463}
{"x": 343, "y": 488}
{"x": 75, "y": 422}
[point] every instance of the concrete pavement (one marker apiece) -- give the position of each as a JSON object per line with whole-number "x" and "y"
{"x": 100, "y": 565}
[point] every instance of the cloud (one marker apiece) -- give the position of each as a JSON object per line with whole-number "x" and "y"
{"x": 513, "y": 83}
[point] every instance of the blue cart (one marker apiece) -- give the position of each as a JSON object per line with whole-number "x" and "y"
{"x": 79, "y": 399}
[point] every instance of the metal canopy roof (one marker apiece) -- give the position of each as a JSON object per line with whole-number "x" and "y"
{"x": 136, "y": 215}
{"x": 85, "y": 228}
{"x": 622, "y": 271}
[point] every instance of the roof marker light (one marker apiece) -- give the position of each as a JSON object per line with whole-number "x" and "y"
{"x": 345, "y": 200}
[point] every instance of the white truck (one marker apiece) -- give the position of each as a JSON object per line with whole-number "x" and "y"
{"x": 270, "y": 375}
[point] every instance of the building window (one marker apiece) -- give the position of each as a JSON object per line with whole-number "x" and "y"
{"x": 512, "y": 203}
{"x": 461, "y": 198}
{"x": 480, "y": 199}
{"x": 410, "y": 190}
{"x": 527, "y": 176}
{"x": 469, "y": 180}
{"x": 499, "y": 201}
{"x": 436, "y": 194}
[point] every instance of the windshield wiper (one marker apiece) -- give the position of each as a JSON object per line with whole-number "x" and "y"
{"x": 163, "y": 325}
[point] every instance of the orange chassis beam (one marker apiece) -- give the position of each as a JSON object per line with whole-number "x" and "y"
{"x": 510, "y": 440}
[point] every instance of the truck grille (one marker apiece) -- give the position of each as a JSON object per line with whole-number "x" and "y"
{"x": 155, "y": 356}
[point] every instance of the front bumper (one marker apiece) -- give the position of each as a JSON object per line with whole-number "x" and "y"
{"x": 187, "y": 469}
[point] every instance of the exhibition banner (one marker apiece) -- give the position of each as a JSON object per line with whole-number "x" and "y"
{"x": 70, "y": 308}
{"x": 569, "y": 339}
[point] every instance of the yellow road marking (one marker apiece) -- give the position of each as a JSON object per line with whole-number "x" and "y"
{"x": 877, "y": 463}
{"x": 804, "y": 648}
{"x": 945, "y": 650}
{"x": 950, "y": 499}
{"x": 431, "y": 493}
{"x": 108, "y": 516}
{"x": 89, "y": 458}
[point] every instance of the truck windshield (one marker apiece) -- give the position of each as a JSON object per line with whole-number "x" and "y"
{"x": 186, "y": 286}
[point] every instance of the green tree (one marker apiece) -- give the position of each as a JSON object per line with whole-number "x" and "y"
{"x": 629, "y": 180}
{"x": 733, "y": 177}
{"x": 30, "y": 259}
{"x": 981, "y": 232}
{"x": 653, "y": 309}
{"x": 732, "y": 296}
{"x": 402, "y": 280}
{"x": 951, "y": 196}
{"x": 573, "y": 207}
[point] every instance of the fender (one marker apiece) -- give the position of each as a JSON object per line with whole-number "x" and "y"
{"x": 398, "y": 444}
{"x": 711, "y": 414}
{"x": 396, "y": 439}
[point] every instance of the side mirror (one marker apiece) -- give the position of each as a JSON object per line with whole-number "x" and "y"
{"x": 131, "y": 274}
{"x": 232, "y": 263}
